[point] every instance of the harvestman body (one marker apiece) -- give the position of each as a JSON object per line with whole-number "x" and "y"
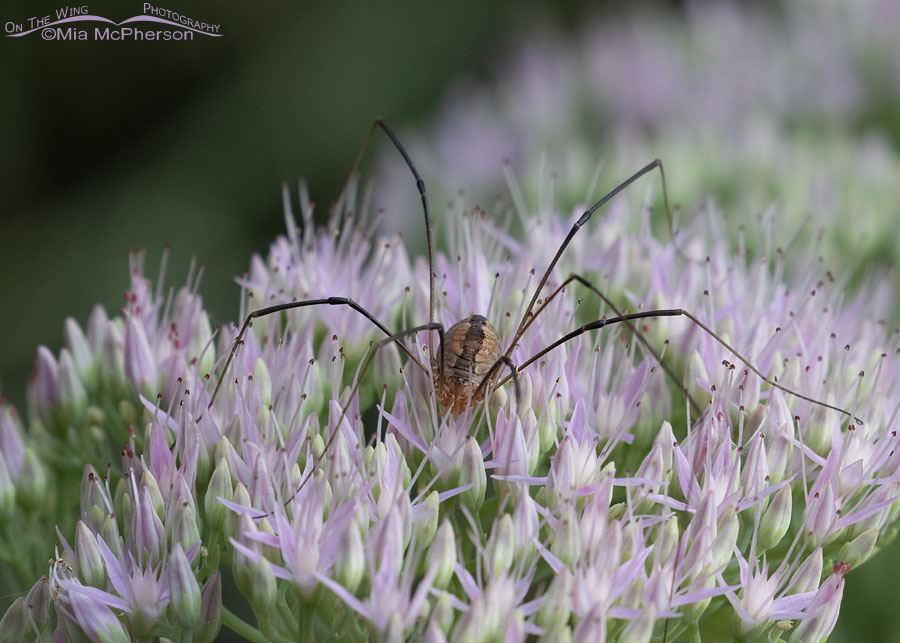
{"x": 472, "y": 346}
{"x": 470, "y": 354}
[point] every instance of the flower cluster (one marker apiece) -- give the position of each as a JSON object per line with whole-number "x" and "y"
{"x": 781, "y": 115}
{"x": 642, "y": 480}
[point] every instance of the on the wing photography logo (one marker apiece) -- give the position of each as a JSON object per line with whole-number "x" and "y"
{"x": 78, "y": 23}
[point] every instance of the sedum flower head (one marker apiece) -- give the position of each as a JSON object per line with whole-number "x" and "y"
{"x": 602, "y": 501}
{"x": 641, "y": 482}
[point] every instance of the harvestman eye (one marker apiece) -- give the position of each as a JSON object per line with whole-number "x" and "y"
{"x": 469, "y": 358}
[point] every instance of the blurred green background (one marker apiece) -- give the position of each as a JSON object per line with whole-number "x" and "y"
{"x": 112, "y": 146}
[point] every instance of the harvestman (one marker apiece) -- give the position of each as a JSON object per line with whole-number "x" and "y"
{"x": 470, "y": 351}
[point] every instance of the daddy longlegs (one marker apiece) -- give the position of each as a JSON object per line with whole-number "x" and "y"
{"x": 469, "y": 355}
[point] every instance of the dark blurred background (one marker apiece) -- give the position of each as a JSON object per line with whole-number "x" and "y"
{"x": 112, "y": 146}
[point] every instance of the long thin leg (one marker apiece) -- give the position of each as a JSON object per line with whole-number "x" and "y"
{"x": 577, "y": 226}
{"x": 396, "y": 337}
{"x": 330, "y": 301}
{"x": 675, "y": 312}
{"x": 634, "y": 329}
{"x": 420, "y": 186}
{"x": 513, "y": 373}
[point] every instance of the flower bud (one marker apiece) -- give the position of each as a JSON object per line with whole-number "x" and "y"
{"x": 109, "y": 532}
{"x": 442, "y": 555}
{"x": 270, "y": 551}
{"x": 243, "y": 562}
{"x": 263, "y": 381}
{"x": 210, "y": 609}
{"x": 262, "y": 585}
{"x": 12, "y": 447}
{"x": 398, "y": 459}
{"x": 339, "y": 467}
{"x": 820, "y": 515}
{"x": 509, "y": 450}
{"x": 29, "y": 472}
{"x": 776, "y": 519}
{"x": 526, "y": 523}
{"x": 184, "y": 590}
{"x": 695, "y": 377}
{"x": 498, "y": 399}
{"x": 96, "y": 328}
{"x": 30, "y": 476}
{"x": 819, "y": 429}
{"x": 427, "y": 519}
{"x": 701, "y": 535}
{"x": 38, "y": 601}
{"x": 317, "y": 448}
{"x": 88, "y": 558}
{"x": 501, "y": 546}
{"x": 203, "y": 459}
{"x": 373, "y": 462}
{"x": 80, "y": 350}
{"x": 547, "y": 430}
{"x": 443, "y": 613}
{"x": 43, "y": 392}
{"x": 706, "y": 579}
{"x": 882, "y": 517}
{"x": 179, "y": 493}
{"x": 574, "y": 466}
{"x": 148, "y": 535}
{"x": 555, "y": 611}
{"x": 93, "y": 495}
{"x": 140, "y": 365}
{"x": 14, "y": 624}
{"x": 779, "y": 448}
{"x": 200, "y": 346}
{"x": 822, "y": 611}
{"x": 806, "y": 578}
{"x": 112, "y": 353}
{"x": 233, "y": 520}
{"x": 388, "y": 543}
{"x": 295, "y": 475}
{"x": 219, "y": 487}
{"x": 526, "y": 388}
{"x": 567, "y": 537}
{"x": 532, "y": 440}
{"x": 858, "y": 550}
{"x": 72, "y": 396}
{"x": 652, "y": 468}
{"x": 755, "y": 472}
{"x": 184, "y": 529}
{"x": 148, "y": 481}
{"x": 633, "y": 595}
{"x": 668, "y": 538}
{"x": 349, "y": 561}
{"x": 387, "y": 367}
{"x": 726, "y": 538}
{"x": 223, "y": 444}
{"x": 752, "y": 387}
{"x": 472, "y": 472}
